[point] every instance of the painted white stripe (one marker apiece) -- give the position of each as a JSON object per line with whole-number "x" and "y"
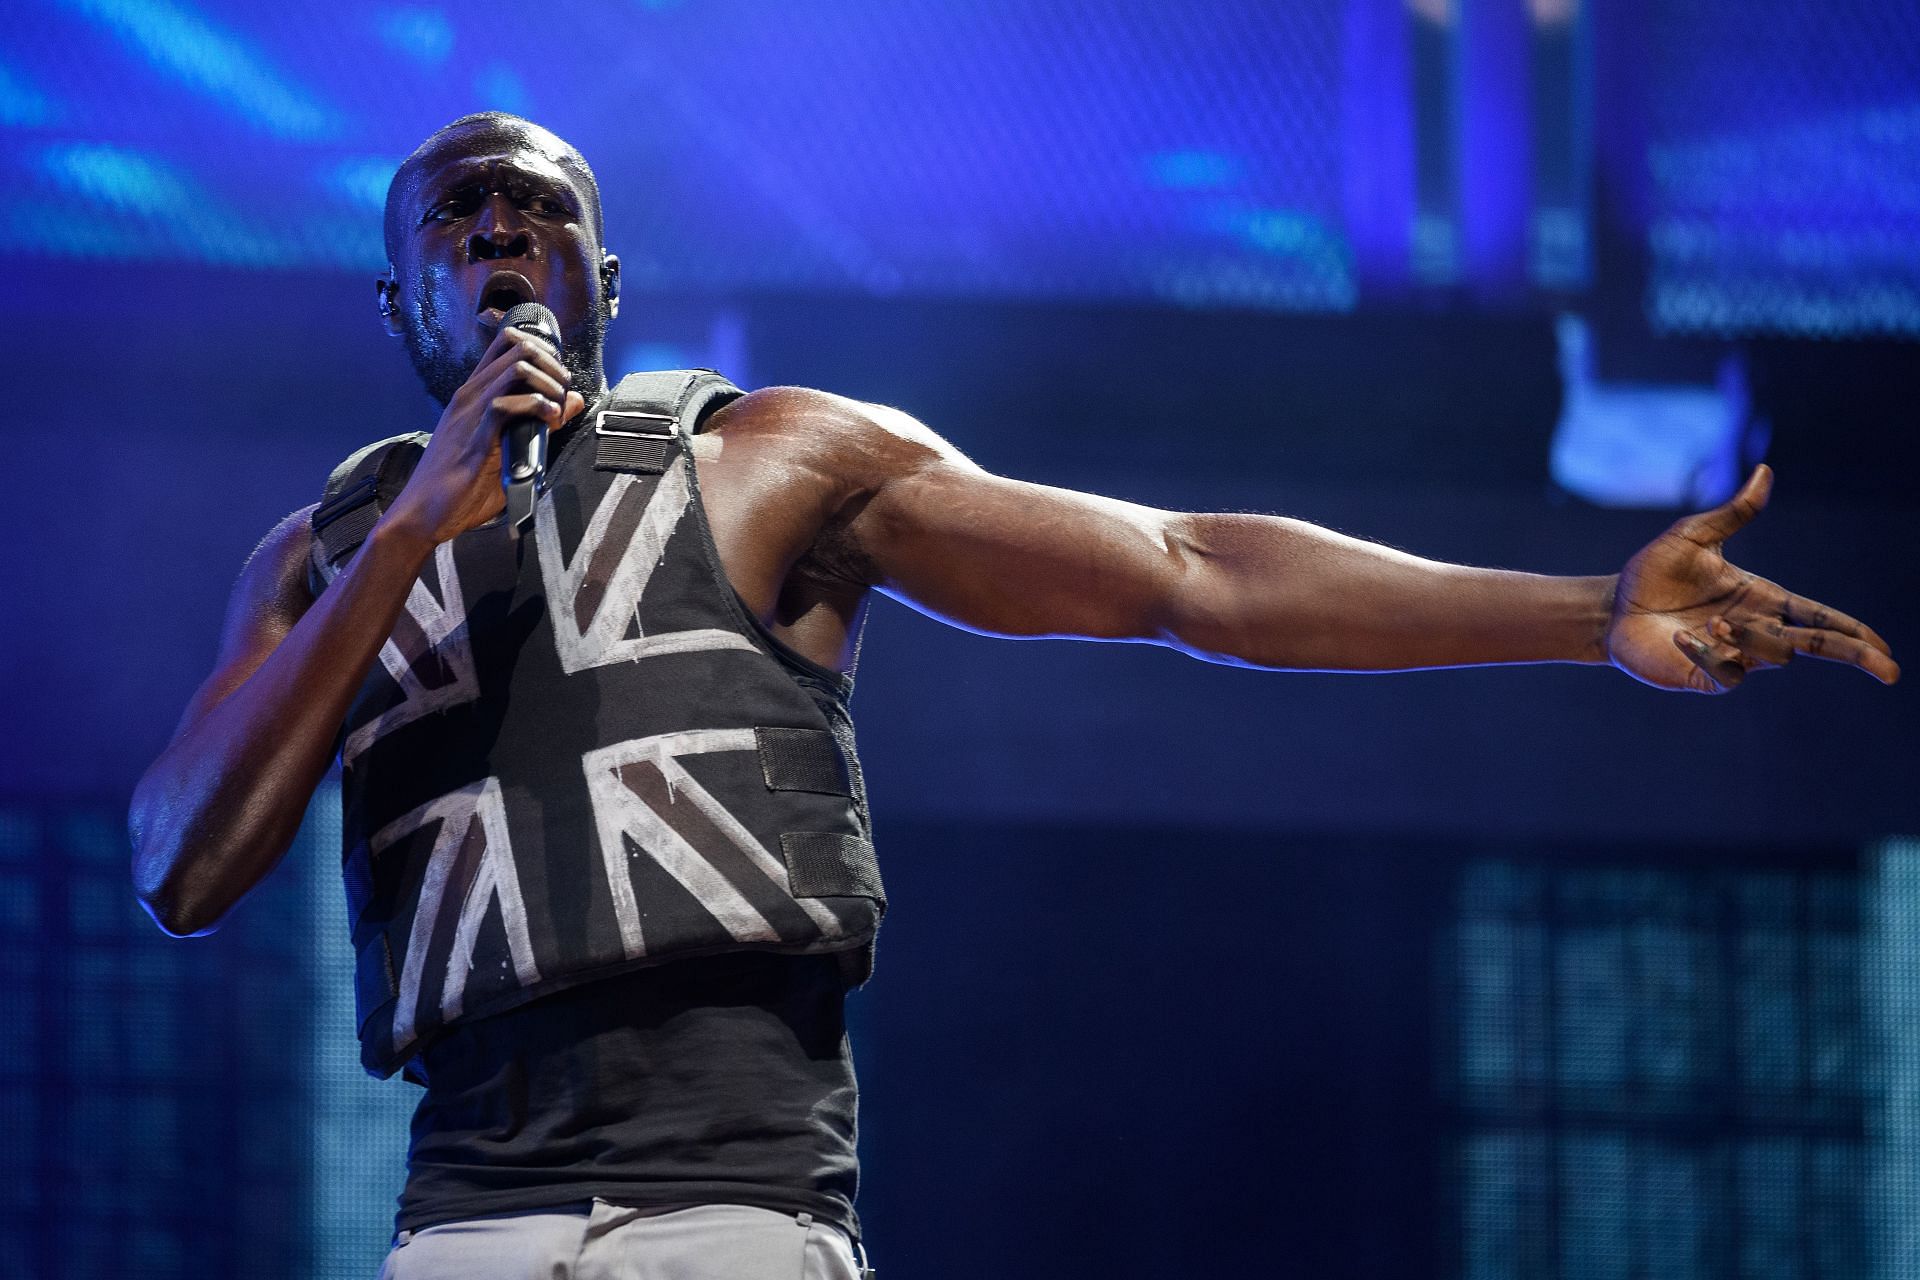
{"x": 603, "y": 640}
{"x": 770, "y": 865}
{"x": 495, "y": 876}
{"x": 444, "y": 624}
{"x": 619, "y": 813}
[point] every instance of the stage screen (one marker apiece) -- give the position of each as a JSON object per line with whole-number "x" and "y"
{"x": 1313, "y": 156}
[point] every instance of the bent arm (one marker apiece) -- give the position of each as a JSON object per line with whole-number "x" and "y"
{"x": 220, "y": 806}
{"x": 1010, "y": 558}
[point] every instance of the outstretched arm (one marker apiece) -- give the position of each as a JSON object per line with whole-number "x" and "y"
{"x": 1010, "y": 558}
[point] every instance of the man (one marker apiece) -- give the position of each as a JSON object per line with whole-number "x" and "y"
{"x": 572, "y": 754}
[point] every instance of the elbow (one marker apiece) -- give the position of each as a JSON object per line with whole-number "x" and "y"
{"x": 171, "y": 923}
{"x": 178, "y": 914}
{"x": 158, "y": 888}
{"x": 1207, "y": 635}
{"x": 177, "y": 918}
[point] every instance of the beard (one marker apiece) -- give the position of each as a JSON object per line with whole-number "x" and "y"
{"x": 444, "y": 368}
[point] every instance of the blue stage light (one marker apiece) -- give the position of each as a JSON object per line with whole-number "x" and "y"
{"x": 1640, "y": 444}
{"x": 190, "y": 48}
{"x": 159, "y": 212}
{"x": 362, "y": 181}
{"x": 21, "y": 105}
{"x": 120, "y": 179}
{"x": 500, "y": 88}
{"x": 1193, "y": 170}
{"x": 1232, "y": 154}
{"x": 1783, "y": 168}
{"x": 425, "y": 35}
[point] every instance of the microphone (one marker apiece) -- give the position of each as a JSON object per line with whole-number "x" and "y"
{"x": 523, "y": 443}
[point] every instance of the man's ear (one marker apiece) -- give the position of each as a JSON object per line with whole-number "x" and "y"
{"x": 610, "y": 282}
{"x": 387, "y": 299}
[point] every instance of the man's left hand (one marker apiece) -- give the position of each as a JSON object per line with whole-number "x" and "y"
{"x": 1684, "y": 618}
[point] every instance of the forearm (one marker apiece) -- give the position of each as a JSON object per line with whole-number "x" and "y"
{"x": 219, "y": 807}
{"x": 1271, "y": 592}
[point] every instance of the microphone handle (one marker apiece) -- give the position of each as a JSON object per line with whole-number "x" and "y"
{"x": 523, "y": 466}
{"x": 523, "y": 443}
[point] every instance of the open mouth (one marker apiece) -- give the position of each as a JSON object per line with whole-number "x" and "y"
{"x": 503, "y": 291}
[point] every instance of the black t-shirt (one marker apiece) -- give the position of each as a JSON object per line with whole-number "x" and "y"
{"x": 719, "y": 1080}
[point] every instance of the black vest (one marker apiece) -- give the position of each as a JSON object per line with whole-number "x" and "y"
{"x": 578, "y": 752}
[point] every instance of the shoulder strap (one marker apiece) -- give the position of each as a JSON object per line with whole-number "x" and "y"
{"x": 687, "y": 395}
{"x": 633, "y": 431}
{"x": 357, "y": 492}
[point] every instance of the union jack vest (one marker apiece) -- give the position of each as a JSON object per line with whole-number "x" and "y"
{"x": 579, "y": 753}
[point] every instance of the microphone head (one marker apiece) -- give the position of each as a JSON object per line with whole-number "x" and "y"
{"x": 534, "y": 319}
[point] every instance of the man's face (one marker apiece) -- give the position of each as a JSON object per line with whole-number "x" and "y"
{"x": 493, "y": 219}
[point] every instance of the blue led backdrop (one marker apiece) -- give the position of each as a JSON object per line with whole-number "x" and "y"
{"x": 1311, "y": 156}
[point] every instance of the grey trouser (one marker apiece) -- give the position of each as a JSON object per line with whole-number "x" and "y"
{"x": 700, "y": 1242}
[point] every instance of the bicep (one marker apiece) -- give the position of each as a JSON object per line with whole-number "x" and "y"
{"x": 269, "y": 597}
{"x": 1013, "y": 558}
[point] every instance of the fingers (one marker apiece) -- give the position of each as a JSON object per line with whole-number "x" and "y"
{"x": 525, "y": 374}
{"x": 1811, "y": 613}
{"x": 514, "y": 346}
{"x": 507, "y": 339}
{"x": 1774, "y": 643}
{"x": 1835, "y": 646}
{"x": 1761, "y": 644}
{"x": 527, "y": 405}
{"x": 1716, "y": 668}
{"x": 1732, "y": 515}
{"x": 525, "y": 379}
{"x": 521, "y": 385}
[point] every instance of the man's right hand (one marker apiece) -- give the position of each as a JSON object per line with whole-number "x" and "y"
{"x": 220, "y": 805}
{"x": 456, "y": 485}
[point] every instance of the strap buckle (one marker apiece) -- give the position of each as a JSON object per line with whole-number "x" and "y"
{"x": 362, "y": 490}
{"x": 629, "y": 422}
{"x": 633, "y": 440}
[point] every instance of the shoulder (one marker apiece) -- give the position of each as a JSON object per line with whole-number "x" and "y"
{"x": 289, "y": 539}
{"x": 274, "y": 579}
{"x": 856, "y": 441}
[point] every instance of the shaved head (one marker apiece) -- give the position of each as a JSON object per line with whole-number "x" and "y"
{"x": 482, "y": 131}
{"x": 489, "y": 211}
